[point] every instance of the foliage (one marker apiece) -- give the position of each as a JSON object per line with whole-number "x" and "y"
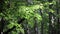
{"x": 16, "y": 9}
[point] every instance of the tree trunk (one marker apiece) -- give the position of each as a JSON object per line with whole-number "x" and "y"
{"x": 41, "y": 12}
{"x": 58, "y": 18}
{"x": 35, "y": 26}
{"x": 2, "y": 20}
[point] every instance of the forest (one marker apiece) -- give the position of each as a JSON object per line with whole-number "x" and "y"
{"x": 29, "y": 16}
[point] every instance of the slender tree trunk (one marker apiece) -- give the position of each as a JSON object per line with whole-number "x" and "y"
{"x": 39, "y": 27}
{"x": 41, "y": 12}
{"x": 35, "y": 26}
{"x": 58, "y": 19}
{"x": 50, "y": 26}
{"x": 2, "y": 24}
{"x": 2, "y": 20}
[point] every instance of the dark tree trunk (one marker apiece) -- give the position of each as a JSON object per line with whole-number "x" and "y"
{"x": 35, "y": 26}
{"x": 50, "y": 26}
{"x": 58, "y": 18}
{"x": 2, "y": 24}
{"x": 41, "y": 12}
{"x": 2, "y": 20}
